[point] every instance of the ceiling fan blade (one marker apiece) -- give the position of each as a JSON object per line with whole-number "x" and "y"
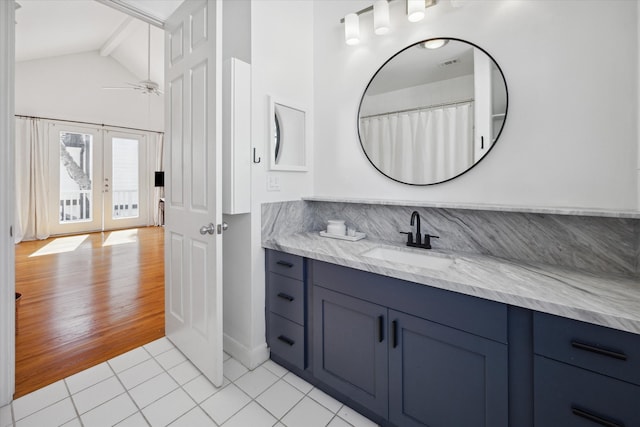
{"x": 148, "y": 86}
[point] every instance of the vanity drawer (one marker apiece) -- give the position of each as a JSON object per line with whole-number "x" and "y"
{"x": 285, "y": 264}
{"x": 565, "y": 395}
{"x": 286, "y": 297}
{"x": 597, "y": 348}
{"x": 286, "y": 340}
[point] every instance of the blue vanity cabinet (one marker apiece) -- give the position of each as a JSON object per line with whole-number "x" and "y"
{"x": 441, "y": 376}
{"x": 390, "y": 346}
{"x": 584, "y": 374}
{"x": 286, "y": 308}
{"x": 350, "y": 348}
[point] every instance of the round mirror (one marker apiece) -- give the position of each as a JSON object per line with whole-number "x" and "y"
{"x": 432, "y": 111}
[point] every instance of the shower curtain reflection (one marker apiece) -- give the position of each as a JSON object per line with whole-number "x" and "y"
{"x": 421, "y": 146}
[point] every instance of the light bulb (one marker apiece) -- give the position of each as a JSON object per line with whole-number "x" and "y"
{"x": 351, "y": 29}
{"x": 415, "y": 10}
{"x": 434, "y": 43}
{"x": 381, "y": 17}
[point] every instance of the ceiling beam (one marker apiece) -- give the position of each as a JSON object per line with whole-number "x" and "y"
{"x": 130, "y": 10}
{"x": 118, "y": 36}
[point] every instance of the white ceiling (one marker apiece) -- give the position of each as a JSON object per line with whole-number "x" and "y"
{"x": 47, "y": 28}
{"x": 417, "y": 66}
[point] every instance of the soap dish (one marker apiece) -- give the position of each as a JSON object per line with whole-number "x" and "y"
{"x": 358, "y": 236}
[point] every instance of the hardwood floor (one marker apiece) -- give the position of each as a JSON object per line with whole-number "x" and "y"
{"x": 86, "y": 299}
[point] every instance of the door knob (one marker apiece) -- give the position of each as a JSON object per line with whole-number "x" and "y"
{"x": 211, "y": 229}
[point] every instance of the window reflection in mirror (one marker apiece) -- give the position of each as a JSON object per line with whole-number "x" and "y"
{"x": 432, "y": 111}
{"x": 288, "y": 151}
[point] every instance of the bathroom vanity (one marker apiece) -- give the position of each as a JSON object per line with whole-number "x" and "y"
{"x": 519, "y": 316}
{"x": 477, "y": 341}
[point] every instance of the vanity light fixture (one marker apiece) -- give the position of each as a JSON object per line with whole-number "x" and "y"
{"x": 352, "y": 29}
{"x": 381, "y": 17}
{"x": 415, "y": 10}
{"x": 434, "y": 43}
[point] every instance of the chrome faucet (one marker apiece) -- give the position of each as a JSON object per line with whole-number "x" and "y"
{"x": 418, "y": 243}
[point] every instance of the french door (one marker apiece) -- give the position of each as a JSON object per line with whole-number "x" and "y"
{"x": 97, "y": 179}
{"x": 126, "y": 185}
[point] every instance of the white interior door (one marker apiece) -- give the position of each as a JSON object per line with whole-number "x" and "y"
{"x": 193, "y": 198}
{"x": 75, "y": 156}
{"x": 126, "y": 180}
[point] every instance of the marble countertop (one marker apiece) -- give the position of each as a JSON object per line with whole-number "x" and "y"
{"x": 606, "y": 300}
{"x": 606, "y": 213}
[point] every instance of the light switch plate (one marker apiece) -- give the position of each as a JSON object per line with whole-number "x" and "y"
{"x": 273, "y": 183}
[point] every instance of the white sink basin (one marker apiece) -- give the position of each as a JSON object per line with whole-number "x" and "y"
{"x": 416, "y": 259}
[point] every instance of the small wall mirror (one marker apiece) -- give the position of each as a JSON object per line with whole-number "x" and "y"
{"x": 287, "y": 137}
{"x": 432, "y": 111}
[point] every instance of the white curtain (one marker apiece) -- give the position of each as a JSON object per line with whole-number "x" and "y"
{"x": 158, "y": 192}
{"x": 421, "y": 146}
{"x": 32, "y": 172}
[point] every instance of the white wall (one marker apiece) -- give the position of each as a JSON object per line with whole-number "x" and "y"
{"x": 638, "y": 111}
{"x": 572, "y": 73}
{"x": 281, "y": 67}
{"x": 70, "y": 87}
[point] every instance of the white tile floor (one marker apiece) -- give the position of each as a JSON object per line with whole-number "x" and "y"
{"x": 155, "y": 385}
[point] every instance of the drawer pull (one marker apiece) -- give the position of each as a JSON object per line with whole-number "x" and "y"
{"x": 286, "y": 340}
{"x": 595, "y": 418}
{"x": 380, "y": 328}
{"x": 284, "y": 264}
{"x": 602, "y": 351}
{"x": 286, "y": 296}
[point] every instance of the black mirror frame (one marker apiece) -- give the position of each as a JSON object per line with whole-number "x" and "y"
{"x": 506, "y": 110}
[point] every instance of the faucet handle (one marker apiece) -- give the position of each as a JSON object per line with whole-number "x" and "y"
{"x": 409, "y": 236}
{"x": 427, "y": 240}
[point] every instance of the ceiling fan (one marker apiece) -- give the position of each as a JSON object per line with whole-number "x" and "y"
{"x": 147, "y": 86}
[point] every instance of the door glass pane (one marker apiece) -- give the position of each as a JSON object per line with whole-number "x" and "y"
{"x": 76, "y": 169}
{"x": 125, "y": 175}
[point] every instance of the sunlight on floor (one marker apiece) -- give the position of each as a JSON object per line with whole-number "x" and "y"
{"x": 61, "y": 245}
{"x": 121, "y": 237}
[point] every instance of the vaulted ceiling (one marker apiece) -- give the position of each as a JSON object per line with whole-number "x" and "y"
{"x": 47, "y": 28}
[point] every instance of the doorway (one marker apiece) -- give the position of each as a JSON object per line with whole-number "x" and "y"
{"x": 198, "y": 23}
{"x": 99, "y": 179}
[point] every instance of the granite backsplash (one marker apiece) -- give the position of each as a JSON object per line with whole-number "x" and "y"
{"x": 589, "y": 243}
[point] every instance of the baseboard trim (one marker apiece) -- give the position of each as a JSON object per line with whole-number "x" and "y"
{"x": 250, "y": 358}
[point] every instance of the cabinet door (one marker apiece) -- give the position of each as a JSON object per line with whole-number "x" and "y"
{"x": 350, "y": 347}
{"x": 441, "y": 376}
